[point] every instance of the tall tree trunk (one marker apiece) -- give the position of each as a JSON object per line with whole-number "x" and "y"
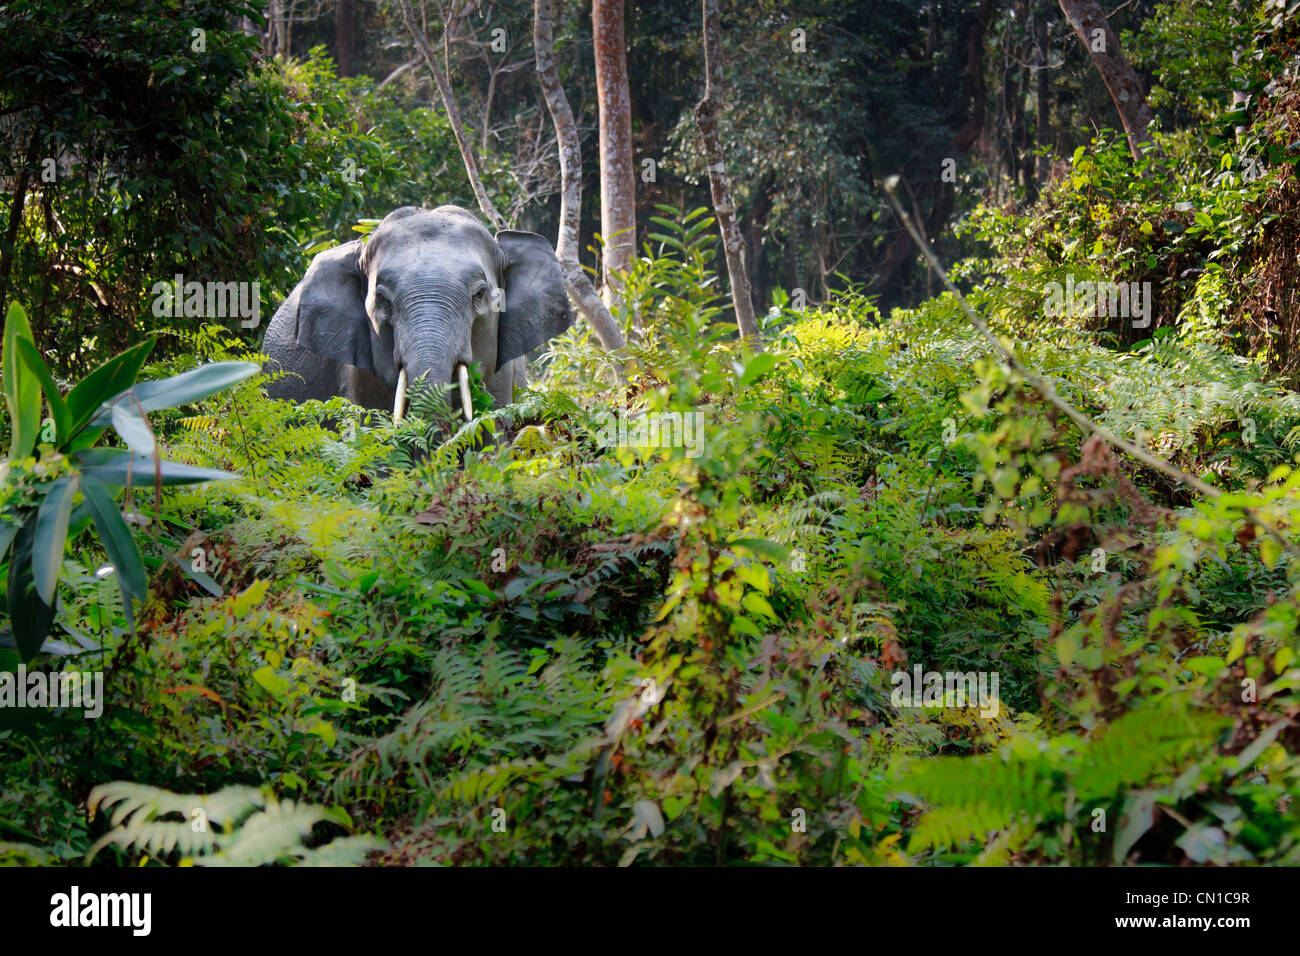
{"x": 15, "y": 220}
{"x": 706, "y": 115}
{"x": 1042, "y": 130}
{"x": 345, "y": 35}
{"x": 617, "y": 178}
{"x": 453, "y": 117}
{"x": 566, "y": 133}
{"x": 976, "y": 89}
{"x": 1121, "y": 79}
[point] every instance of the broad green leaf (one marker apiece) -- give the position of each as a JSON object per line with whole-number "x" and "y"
{"x": 7, "y": 532}
{"x": 28, "y": 614}
{"x": 116, "y": 538}
{"x": 112, "y": 466}
{"x": 760, "y": 364}
{"x": 191, "y": 386}
{"x": 134, "y": 430}
{"x": 762, "y": 547}
{"x": 51, "y": 533}
{"x": 756, "y": 604}
{"x": 111, "y": 378}
{"x": 22, "y": 389}
{"x": 274, "y": 684}
{"x": 58, "y": 408}
{"x": 1204, "y": 665}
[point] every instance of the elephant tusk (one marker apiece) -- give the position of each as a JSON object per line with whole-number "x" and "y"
{"x": 466, "y": 405}
{"x": 399, "y": 400}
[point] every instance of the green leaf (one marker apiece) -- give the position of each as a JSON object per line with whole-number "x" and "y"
{"x": 58, "y": 408}
{"x": 762, "y": 547}
{"x": 22, "y": 391}
{"x": 7, "y": 532}
{"x": 203, "y": 580}
{"x": 1139, "y": 817}
{"x": 274, "y": 684}
{"x": 1269, "y": 552}
{"x": 760, "y": 364}
{"x": 191, "y": 386}
{"x": 1203, "y": 664}
{"x": 112, "y": 466}
{"x": 51, "y": 533}
{"x": 756, "y": 604}
{"x": 1247, "y": 757}
{"x": 29, "y": 616}
{"x": 103, "y": 383}
{"x": 116, "y": 538}
{"x": 134, "y": 430}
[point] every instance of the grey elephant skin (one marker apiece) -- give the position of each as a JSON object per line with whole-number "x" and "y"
{"x": 428, "y": 291}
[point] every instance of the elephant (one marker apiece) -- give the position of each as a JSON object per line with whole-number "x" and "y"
{"x": 429, "y": 293}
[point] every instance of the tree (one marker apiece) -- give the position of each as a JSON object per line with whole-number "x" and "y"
{"x": 1121, "y": 79}
{"x": 580, "y": 288}
{"x": 617, "y": 179}
{"x": 453, "y": 116}
{"x": 724, "y": 207}
{"x": 345, "y": 32}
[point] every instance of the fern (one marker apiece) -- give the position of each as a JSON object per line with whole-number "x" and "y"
{"x": 971, "y": 797}
{"x": 236, "y": 826}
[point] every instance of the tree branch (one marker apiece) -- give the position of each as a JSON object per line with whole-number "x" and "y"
{"x": 453, "y": 116}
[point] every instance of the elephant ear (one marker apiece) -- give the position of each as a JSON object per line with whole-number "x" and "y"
{"x": 332, "y": 319}
{"x": 536, "y": 307}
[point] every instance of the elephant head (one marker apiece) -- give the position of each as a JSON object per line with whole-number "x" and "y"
{"x": 429, "y": 293}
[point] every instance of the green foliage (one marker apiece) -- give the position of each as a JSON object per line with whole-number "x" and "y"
{"x": 244, "y": 166}
{"x": 236, "y": 826}
{"x": 39, "y": 491}
{"x": 554, "y": 635}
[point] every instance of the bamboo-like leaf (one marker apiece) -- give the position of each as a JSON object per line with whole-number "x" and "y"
{"x": 134, "y": 430}
{"x": 58, "y": 408}
{"x": 117, "y": 540}
{"x": 103, "y": 383}
{"x": 51, "y": 533}
{"x": 22, "y": 389}
{"x": 7, "y": 532}
{"x": 180, "y": 389}
{"x": 29, "y": 616}
{"x": 112, "y": 466}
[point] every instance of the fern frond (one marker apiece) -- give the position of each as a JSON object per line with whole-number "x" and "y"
{"x": 236, "y": 826}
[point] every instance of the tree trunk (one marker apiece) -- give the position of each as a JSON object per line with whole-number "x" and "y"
{"x": 566, "y": 134}
{"x": 617, "y": 178}
{"x": 453, "y": 116}
{"x": 1042, "y": 129}
{"x": 976, "y": 89}
{"x": 345, "y": 35}
{"x": 733, "y": 244}
{"x": 15, "y": 220}
{"x": 1121, "y": 79}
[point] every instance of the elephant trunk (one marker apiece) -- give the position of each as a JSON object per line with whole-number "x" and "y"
{"x": 466, "y": 401}
{"x": 435, "y": 357}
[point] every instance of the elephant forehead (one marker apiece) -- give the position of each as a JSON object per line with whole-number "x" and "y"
{"x": 418, "y": 263}
{"x": 446, "y": 223}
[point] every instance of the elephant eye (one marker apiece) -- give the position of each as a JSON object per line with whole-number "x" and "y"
{"x": 480, "y": 296}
